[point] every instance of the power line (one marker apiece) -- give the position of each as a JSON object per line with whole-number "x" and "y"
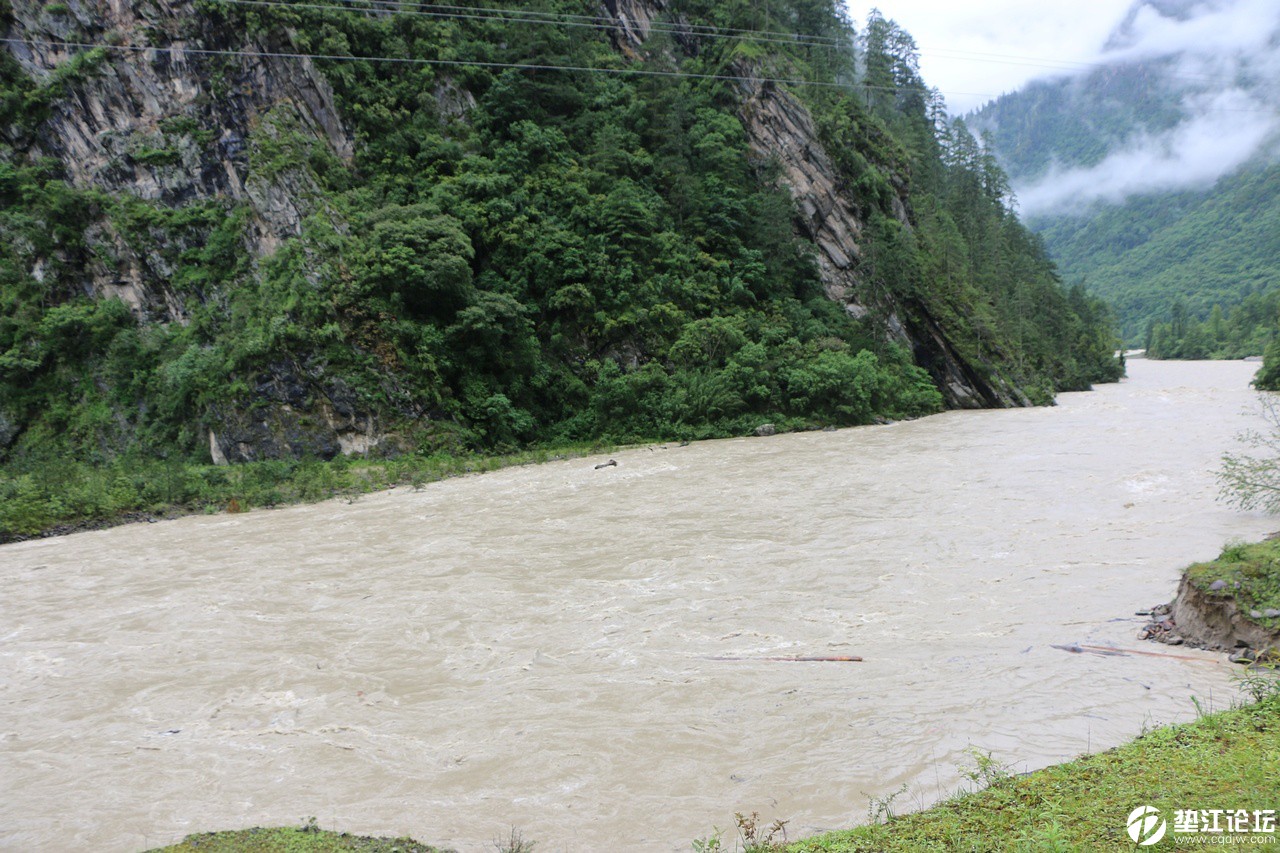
{"x": 551, "y": 19}
{"x": 568, "y": 16}
{"x": 405, "y": 60}
{"x": 444, "y": 11}
{"x": 401, "y": 60}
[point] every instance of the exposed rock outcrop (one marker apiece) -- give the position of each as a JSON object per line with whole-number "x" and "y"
{"x": 141, "y": 123}
{"x": 300, "y": 413}
{"x": 781, "y": 131}
{"x": 1217, "y": 622}
{"x": 179, "y": 113}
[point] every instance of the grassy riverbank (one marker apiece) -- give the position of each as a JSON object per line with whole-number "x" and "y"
{"x": 1228, "y": 761}
{"x": 304, "y": 839}
{"x": 1249, "y": 575}
{"x": 66, "y": 496}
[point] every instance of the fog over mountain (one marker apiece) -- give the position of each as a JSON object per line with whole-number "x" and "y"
{"x": 1153, "y": 175}
{"x": 1185, "y": 91}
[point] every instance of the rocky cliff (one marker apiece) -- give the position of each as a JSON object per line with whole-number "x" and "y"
{"x": 175, "y": 113}
{"x": 180, "y": 113}
{"x": 783, "y": 133}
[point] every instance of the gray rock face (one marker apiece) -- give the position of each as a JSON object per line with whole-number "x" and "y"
{"x": 301, "y": 413}
{"x": 781, "y": 131}
{"x": 175, "y": 125}
{"x": 167, "y": 119}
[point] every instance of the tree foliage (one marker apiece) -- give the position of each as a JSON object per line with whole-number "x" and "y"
{"x": 516, "y": 256}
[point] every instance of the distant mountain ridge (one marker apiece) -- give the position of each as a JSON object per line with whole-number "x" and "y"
{"x": 1153, "y": 177}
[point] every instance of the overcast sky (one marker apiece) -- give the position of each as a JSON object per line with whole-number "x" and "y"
{"x": 974, "y": 50}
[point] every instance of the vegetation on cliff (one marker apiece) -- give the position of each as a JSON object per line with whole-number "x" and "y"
{"x": 508, "y": 257}
{"x": 1200, "y": 249}
{"x": 1124, "y": 173}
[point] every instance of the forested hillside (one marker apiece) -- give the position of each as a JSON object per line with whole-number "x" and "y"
{"x": 236, "y": 231}
{"x": 1154, "y": 178}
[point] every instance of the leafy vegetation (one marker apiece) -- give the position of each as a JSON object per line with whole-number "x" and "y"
{"x": 510, "y": 259}
{"x": 305, "y": 839}
{"x": 1228, "y": 761}
{"x": 1239, "y": 332}
{"x": 1251, "y": 480}
{"x": 1256, "y": 568}
{"x": 67, "y": 495}
{"x": 1199, "y": 248}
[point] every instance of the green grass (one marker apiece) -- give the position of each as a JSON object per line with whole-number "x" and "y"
{"x": 1229, "y": 760}
{"x": 1256, "y": 567}
{"x": 305, "y": 839}
{"x": 65, "y": 496}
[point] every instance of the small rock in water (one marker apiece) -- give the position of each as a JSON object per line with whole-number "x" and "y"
{"x": 612, "y": 463}
{"x": 1217, "y": 585}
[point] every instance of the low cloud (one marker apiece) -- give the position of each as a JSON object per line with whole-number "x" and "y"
{"x": 1219, "y": 138}
{"x": 1221, "y": 59}
{"x": 1214, "y": 28}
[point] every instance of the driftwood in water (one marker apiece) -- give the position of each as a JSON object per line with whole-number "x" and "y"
{"x": 1077, "y": 648}
{"x": 799, "y": 659}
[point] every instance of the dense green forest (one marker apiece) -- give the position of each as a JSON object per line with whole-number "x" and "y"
{"x": 1202, "y": 248}
{"x": 1238, "y": 332}
{"x": 510, "y": 258}
{"x": 1217, "y": 243}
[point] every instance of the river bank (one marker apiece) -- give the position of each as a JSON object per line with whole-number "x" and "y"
{"x": 1228, "y": 762}
{"x": 1224, "y": 762}
{"x": 448, "y": 662}
{"x": 66, "y": 497}
{"x": 1217, "y": 766}
{"x": 1231, "y": 605}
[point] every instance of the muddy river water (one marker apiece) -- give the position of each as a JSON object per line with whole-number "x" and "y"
{"x": 543, "y": 647}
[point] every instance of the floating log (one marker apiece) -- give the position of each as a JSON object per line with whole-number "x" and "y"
{"x": 799, "y": 658}
{"x": 1077, "y": 648}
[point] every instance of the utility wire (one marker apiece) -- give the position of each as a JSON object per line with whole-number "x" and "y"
{"x": 401, "y": 60}
{"x": 442, "y": 11}
{"x": 404, "y": 60}
{"x": 522, "y": 17}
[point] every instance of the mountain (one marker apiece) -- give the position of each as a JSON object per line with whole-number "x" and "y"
{"x": 1154, "y": 177}
{"x": 236, "y": 231}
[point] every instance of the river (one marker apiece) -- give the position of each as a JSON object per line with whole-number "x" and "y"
{"x": 538, "y": 647}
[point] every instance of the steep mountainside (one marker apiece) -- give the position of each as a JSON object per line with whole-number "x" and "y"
{"x": 1155, "y": 178}
{"x": 240, "y": 230}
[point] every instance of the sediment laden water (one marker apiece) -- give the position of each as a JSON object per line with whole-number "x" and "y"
{"x": 536, "y": 647}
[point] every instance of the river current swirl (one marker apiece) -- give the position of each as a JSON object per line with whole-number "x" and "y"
{"x": 583, "y": 654}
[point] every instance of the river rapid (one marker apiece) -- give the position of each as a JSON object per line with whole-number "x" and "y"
{"x": 538, "y": 647}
